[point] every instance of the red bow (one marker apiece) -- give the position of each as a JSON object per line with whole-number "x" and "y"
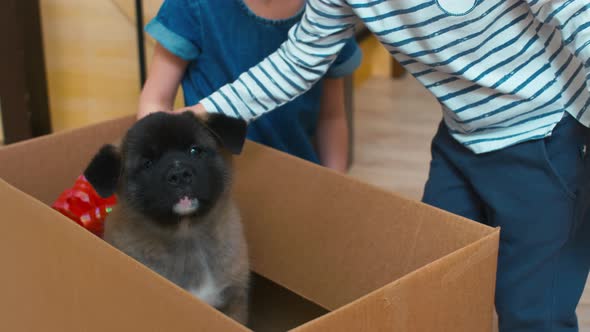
{"x": 82, "y": 204}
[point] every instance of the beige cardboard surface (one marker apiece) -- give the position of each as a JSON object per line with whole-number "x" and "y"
{"x": 385, "y": 261}
{"x": 55, "y": 277}
{"x": 448, "y": 295}
{"x": 45, "y": 166}
{"x": 334, "y": 239}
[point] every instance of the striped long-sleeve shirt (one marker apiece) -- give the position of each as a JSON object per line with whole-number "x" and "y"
{"x": 504, "y": 71}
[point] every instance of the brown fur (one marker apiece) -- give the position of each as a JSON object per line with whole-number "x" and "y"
{"x": 204, "y": 253}
{"x": 179, "y": 253}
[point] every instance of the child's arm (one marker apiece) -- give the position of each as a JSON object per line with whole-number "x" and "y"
{"x": 177, "y": 31}
{"x": 161, "y": 86}
{"x": 332, "y": 130}
{"x": 293, "y": 69}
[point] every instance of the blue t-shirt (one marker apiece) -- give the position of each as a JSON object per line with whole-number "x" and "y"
{"x": 223, "y": 38}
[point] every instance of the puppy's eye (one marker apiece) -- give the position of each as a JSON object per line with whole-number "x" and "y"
{"x": 196, "y": 151}
{"x": 147, "y": 163}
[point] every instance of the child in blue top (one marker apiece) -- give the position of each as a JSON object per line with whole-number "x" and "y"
{"x": 204, "y": 44}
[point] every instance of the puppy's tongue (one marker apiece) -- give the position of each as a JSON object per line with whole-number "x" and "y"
{"x": 186, "y": 206}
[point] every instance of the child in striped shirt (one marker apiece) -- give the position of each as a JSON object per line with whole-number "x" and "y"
{"x": 512, "y": 78}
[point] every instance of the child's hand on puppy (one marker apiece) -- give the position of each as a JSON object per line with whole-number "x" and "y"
{"x": 198, "y": 110}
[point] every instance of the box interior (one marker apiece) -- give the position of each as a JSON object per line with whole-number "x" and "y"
{"x": 277, "y": 309}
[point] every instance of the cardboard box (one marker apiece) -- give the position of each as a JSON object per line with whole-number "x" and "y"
{"x": 329, "y": 253}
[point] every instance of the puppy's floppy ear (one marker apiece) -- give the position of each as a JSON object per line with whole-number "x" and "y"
{"x": 231, "y": 132}
{"x": 104, "y": 170}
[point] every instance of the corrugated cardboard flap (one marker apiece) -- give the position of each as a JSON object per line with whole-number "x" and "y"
{"x": 59, "y": 277}
{"x": 451, "y": 294}
{"x": 333, "y": 239}
{"x": 44, "y": 166}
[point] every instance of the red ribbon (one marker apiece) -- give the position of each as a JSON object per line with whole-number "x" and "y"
{"x": 82, "y": 204}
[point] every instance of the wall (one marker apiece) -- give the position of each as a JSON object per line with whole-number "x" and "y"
{"x": 91, "y": 59}
{"x": 1, "y": 130}
{"x": 92, "y": 62}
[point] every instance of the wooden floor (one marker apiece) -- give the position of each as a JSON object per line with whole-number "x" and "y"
{"x": 394, "y": 123}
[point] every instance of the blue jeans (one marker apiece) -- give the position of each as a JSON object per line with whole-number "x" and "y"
{"x": 538, "y": 192}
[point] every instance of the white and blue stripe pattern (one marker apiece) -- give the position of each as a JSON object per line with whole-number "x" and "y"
{"x": 504, "y": 71}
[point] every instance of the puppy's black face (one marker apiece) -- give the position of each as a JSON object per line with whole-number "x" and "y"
{"x": 172, "y": 166}
{"x": 169, "y": 166}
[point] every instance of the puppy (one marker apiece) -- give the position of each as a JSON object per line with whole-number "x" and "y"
{"x": 172, "y": 176}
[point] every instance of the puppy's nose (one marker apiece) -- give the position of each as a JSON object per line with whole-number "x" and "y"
{"x": 179, "y": 175}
